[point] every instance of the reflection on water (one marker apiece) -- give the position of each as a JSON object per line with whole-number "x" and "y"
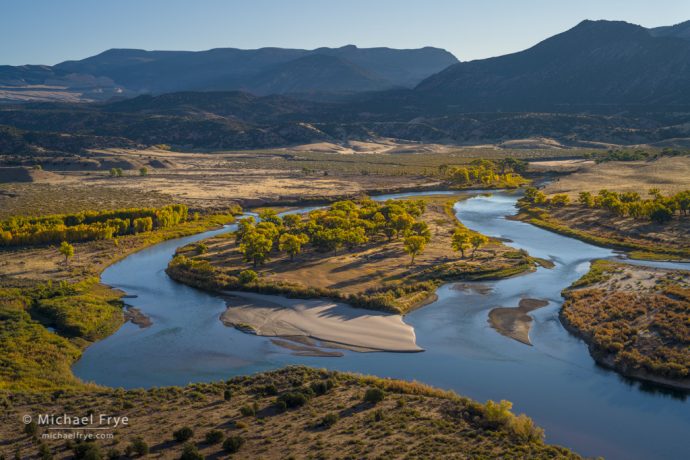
{"x": 581, "y": 405}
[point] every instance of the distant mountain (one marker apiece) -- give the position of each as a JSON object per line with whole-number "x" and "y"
{"x": 128, "y": 72}
{"x": 316, "y": 73}
{"x": 593, "y": 66}
{"x": 681, "y": 30}
{"x": 31, "y": 83}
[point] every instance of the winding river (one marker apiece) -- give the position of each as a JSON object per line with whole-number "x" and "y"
{"x": 555, "y": 381}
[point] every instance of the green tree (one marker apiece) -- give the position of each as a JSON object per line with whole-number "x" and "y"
{"x": 354, "y": 237}
{"x": 477, "y": 240}
{"x": 142, "y": 225}
{"x": 244, "y": 226}
{"x": 143, "y": 171}
{"x": 67, "y": 250}
{"x": 292, "y": 221}
{"x": 414, "y": 245}
{"x": 256, "y": 247}
{"x": 401, "y": 223}
{"x": 292, "y": 244}
{"x": 560, "y": 200}
{"x": 270, "y": 215}
{"x": 420, "y": 228}
{"x": 586, "y": 199}
{"x": 660, "y": 214}
{"x": 461, "y": 240}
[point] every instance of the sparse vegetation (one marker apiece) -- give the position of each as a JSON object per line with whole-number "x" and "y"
{"x": 635, "y": 319}
{"x": 387, "y": 430}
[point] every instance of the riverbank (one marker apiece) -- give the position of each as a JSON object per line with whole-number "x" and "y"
{"x": 600, "y": 228}
{"x": 635, "y": 320}
{"x": 38, "y": 291}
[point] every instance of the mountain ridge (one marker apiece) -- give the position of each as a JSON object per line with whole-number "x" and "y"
{"x": 129, "y": 72}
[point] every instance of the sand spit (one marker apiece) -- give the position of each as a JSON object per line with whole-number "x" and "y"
{"x": 335, "y": 324}
{"x": 515, "y": 322}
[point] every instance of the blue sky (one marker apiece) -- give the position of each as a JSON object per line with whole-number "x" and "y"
{"x": 51, "y": 31}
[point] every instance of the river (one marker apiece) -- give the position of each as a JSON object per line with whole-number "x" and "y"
{"x": 581, "y": 405}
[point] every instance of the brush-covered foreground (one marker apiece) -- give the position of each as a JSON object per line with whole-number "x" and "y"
{"x": 634, "y": 319}
{"x": 296, "y": 412}
{"x": 377, "y": 273}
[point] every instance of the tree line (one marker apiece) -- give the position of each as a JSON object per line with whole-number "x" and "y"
{"x": 345, "y": 224}
{"x": 658, "y": 208}
{"x": 504, "y": 173}
{"x": 88, "y": 225}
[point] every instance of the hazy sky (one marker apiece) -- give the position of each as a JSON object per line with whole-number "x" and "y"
{"x": 51, "y": 31}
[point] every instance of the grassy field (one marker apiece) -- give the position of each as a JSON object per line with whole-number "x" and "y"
{"x": 296, "y": 412}
{"x": 253, "y": 178}
{"x": 364, "y": 276}
{"x": 634, "y": 319}
{"x": 668, "y": 174}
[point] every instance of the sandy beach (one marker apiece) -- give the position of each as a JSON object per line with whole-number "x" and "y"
{"x": 324, "y": 320}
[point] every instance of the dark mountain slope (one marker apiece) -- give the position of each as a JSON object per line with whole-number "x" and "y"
{"x": 231, "y": 69}
{"x": 595, "y": 64}
{"x": 316, "y": 73}
{"x": 681, "y": 30}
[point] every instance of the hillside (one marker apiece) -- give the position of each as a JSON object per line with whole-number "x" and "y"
{"x": 593, "y": 66}
{"x": 128, "y": 72}
{"x": 295, "y": 412}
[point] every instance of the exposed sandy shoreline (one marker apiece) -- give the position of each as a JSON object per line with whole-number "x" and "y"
{"x": 335, "y": 323}
{"x": 515, "y": 322}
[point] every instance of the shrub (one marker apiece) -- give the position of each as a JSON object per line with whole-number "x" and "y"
{"x": 227, "y": 395}
{"x": 183, "y": 434}
{"x": 329, "y": 420}
{"x": 190, "y": 452}
{"x": 114, "y": 454}
{"x": 374, "y": 395}
{"x": 30, "y": 429}
{"x": 292, "y": 400}
{"x": 87, "y": 451}
{"x": 498, "y": 414}
{"x": 44, "y": 452}
{"x": 247, "y": 410}
{"x": 248, "y": 276}
{"x": 138, "y": 446}
{"x": 233, "y": 444}
{"x": 321, "y": 387}
{"x": 268, "y": 390}
{"x": 523, "y": 429}
{"x": 214, "y": 437}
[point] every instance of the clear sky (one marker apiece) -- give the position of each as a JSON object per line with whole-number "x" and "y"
{"x": 51, "y": 31}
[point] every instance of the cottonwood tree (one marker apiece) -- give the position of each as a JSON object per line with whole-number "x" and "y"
{"x": 292, "y": 244}
{"x": 256, "y": 247}
{"x": 477, "y": 240}
{"x": 461, "y": 240}
{"x": 67, "y": 250}
{"x": 414, "y": 245}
